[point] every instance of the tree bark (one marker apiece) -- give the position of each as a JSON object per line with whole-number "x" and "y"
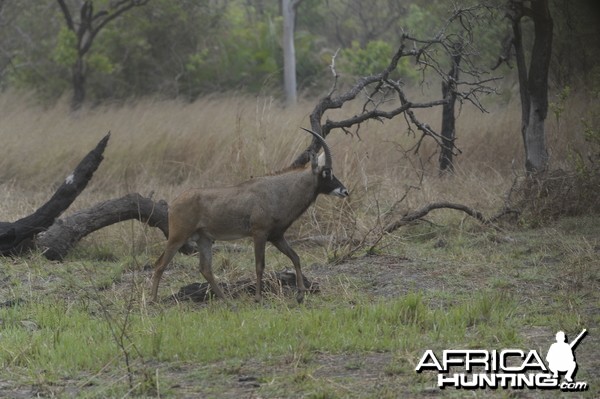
{"x": 64, "y": 234}
{"x": 79, "y": 77}
{"x": 17, "y": 236}
{"x": 60, "y": 238}
{"x": 288, "y": 11}
{"x": 533, "y": 84}
{"x": 448, "y": 131}
{"x": 537, "y": 157}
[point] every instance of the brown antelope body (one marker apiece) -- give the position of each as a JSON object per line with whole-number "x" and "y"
{"x": 262, "y": 208}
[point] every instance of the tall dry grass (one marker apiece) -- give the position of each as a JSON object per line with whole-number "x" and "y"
{"x": 165, "y": 147}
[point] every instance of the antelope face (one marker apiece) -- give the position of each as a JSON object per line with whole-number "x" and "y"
{"x": 321, "y": 166}
{"x": 330, "y": 185}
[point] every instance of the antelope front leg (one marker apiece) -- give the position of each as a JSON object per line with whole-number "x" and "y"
{"x": 282, "y": 245}
{"x": 259, "y": 259}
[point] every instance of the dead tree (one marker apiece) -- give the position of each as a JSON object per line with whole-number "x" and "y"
{"x": 383, "y": 95}
{"x": 56, "y": 237}
{"x": 57, "y": 241}
{"x": 16, "y": 237}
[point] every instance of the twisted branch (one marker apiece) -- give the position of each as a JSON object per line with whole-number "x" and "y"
{"x": 381, "y": 89}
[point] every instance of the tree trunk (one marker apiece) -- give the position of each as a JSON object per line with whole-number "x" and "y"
{"x": 533, "y": 84}
{"x": 288, "y": 12}
{"x": 448, "y": 131}
{"x": 534, "y": 136}
{"x": 79, "y": 71}
{"x": 537, "y": 157}
{"x": 17, "y": 236}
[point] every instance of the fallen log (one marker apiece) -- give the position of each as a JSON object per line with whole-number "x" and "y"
{"x": 61, "y": 237}
{"x": 64, "y": 234}
{"x": 16, "y": 237}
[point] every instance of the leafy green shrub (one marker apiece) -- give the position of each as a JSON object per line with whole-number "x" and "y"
{"x": 374, "y": 58}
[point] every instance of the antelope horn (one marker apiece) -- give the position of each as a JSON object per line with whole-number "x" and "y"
{"x": 326, "y": 149}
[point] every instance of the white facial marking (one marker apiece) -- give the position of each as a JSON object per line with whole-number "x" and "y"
{"x": 340, "y": 192}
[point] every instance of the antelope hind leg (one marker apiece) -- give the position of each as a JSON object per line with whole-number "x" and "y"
{"x": 160, "y": 266}
{"x": 205, "y": 256}
{"x": 259, "y": 259}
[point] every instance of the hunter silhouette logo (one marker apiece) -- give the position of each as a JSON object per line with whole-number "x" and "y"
{"x": 560, "y": 356}
{"x": 507, "y": 368}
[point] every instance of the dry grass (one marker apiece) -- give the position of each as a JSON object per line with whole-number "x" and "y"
{"x": 167, "y": 146}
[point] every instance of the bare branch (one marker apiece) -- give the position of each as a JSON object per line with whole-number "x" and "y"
{"x": 117, "y": 10}
{"x": 330, "y": 102}
{"x": 66, "y": 14}
{"x": 380, "y": 91}
{"x": 422, "y": 212}
{"x": 113, "y": 12}
{"x": 334, "y": 72}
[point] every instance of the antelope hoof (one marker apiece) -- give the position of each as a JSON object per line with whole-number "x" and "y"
{"x": 300, "y": 296}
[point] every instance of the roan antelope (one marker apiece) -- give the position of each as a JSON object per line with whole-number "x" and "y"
{"x": 262, "y": 208}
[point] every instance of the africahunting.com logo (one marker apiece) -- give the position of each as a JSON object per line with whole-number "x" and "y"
{"x": 507, "y": 368}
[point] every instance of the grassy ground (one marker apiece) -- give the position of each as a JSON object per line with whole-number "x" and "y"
{"x": 83, "y": 328}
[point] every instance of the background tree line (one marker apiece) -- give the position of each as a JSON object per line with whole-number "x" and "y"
{"x": 188, "y": 48}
